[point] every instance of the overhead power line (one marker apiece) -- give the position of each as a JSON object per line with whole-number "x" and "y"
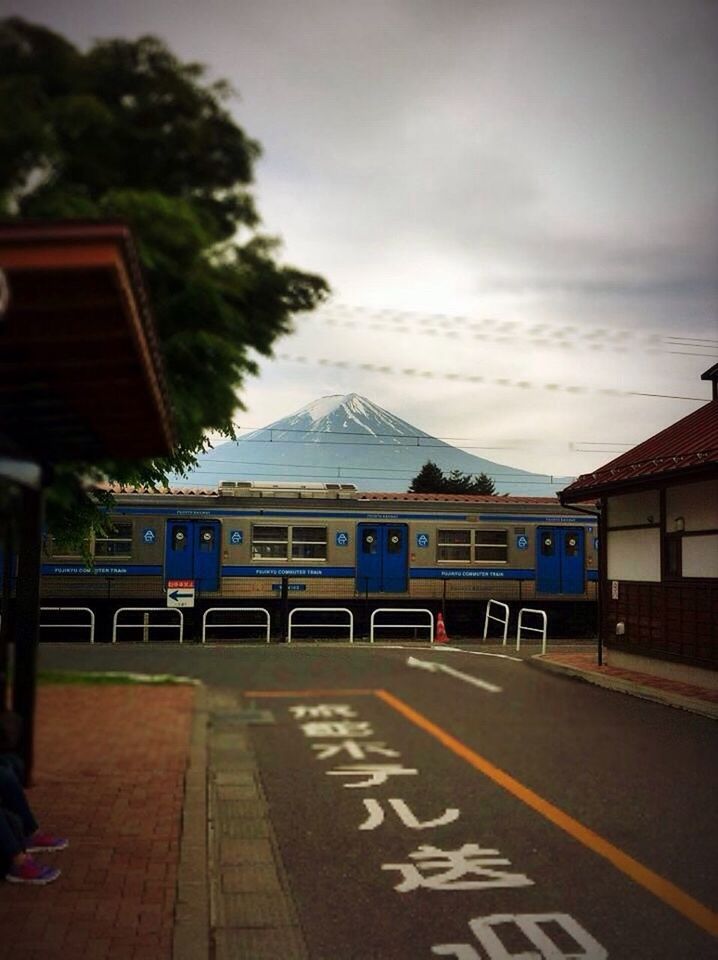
{"x": 439, "y": 324}
{"x": 467, "y": 443}
{"x": 474, "y": 379}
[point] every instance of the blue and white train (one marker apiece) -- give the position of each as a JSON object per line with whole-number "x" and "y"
{"x": 263, "y": 544}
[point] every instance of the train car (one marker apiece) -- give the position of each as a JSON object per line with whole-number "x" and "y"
{"x": 276, "y": 545}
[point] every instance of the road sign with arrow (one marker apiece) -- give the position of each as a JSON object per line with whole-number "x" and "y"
{"x": 180, "y": 593}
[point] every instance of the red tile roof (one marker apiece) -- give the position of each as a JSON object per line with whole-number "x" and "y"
{"x": 689, "y": 444}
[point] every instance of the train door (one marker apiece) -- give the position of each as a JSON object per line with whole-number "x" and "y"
{"x": 560, "y": 560}
{"x": 382, "y": 557}
{"x": 192, "y": 551}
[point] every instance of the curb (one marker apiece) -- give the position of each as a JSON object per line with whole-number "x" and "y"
{"x": 655, "y": 694}
{"x": 190, "y": 939}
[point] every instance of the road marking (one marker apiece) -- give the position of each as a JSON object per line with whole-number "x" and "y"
{"x": 309, "y": 693}
{"x": 481, "y": 653}
{"x": 433, "y": 666}
{"x": 659, "y": 886}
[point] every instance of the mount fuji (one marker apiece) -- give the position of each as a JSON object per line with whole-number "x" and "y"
{"x": 349, "y": 439}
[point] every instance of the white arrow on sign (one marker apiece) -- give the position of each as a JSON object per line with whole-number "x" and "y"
{"x": 433, "y": 667}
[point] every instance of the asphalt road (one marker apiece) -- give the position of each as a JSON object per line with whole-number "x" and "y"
{"x": 486, "y": 809}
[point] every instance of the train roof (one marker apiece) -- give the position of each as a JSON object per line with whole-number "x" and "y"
{"x": 329, "y": 492}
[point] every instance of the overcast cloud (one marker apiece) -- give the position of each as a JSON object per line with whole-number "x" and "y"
{"x": 534, "y": 163}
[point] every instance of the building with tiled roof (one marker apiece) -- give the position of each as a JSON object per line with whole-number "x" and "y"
{"x": 658, "y": 594}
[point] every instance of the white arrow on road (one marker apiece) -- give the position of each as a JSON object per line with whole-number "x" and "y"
{"x": 433, "y": 667}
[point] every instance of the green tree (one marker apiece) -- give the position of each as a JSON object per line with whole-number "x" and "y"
{"x": 126, "y": 130}
{"x": 484, "y": 484}
{"x": 429, "y": 479}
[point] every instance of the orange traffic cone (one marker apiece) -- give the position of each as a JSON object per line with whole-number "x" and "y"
{"x": 440, "y": 630}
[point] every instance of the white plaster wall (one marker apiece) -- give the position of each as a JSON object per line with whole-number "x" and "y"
{"x": 697, "y": 503}
{"x": 700, "y": 556}
{"x": 634, "y": 555}
{"x": 631, "y": 508}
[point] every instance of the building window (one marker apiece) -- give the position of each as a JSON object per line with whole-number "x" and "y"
{"x": 674, "y": 543}
{"x": 285, "y": 543}
{"x": 116, "y": 543}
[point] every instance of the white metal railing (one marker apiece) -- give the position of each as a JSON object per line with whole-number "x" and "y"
{"x": 401, "y": 626}
{"x": 542, "y": 629}
{"x": 234, "y": 625}
{"x": 74, "y": 626}
{"x": 502, "y": 620}
{"x": 146, "y": 626}
{"x": 326, "y": 626}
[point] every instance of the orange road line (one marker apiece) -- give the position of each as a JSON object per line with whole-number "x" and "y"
{"x": 308, "y": 693}
{"x": 666, "y": 891}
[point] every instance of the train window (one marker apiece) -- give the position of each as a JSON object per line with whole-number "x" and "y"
{"x": 369, "y": 540}
{"x": 548, "y": 545}
{"x": 179, "y": 537}
{"x": 394, "y": 540}
{"x": 116, "y": 543}
{"x": 453, "y": 545}
{"x": 491, "y": 546}
{"x": 270, "y": 543}
{"x": 309, "y": 543}
{"x": 53, "y": 549}
{"x": 206, "y": 538}
{"x": 571, "y": 544}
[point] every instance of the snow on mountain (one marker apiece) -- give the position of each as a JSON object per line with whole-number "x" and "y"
{"x": 345, "y": 417}
{"x": 349, "y": 439}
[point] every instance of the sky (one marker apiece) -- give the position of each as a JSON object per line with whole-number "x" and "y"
{"x": 515, "y": 203}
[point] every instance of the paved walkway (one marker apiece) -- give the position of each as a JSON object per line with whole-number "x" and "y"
{"x": 109, "y": 774}
{"x": 702, "y": 700}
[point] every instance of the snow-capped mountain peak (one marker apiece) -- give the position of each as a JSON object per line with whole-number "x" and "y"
{"x": 345, "y": 416}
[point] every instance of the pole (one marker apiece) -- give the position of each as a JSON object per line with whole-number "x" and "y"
{"x": 27, "y": 620}
{"x": 285, "y": 609}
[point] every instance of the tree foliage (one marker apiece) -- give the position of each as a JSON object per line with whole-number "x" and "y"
{"x": 431, "y": 479}
{"x": 126, "y": 130}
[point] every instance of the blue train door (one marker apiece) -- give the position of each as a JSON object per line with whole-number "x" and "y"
{"x": 560, "y": 560}
{"x": 192, "y": 551}
{"x": 382, "y": 557}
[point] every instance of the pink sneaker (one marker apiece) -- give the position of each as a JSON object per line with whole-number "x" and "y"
{"x": 30, "y": 871}
{"x": 45, "y": 842}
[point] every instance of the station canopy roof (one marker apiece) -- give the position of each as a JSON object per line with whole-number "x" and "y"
{"x": 81, "y": 376}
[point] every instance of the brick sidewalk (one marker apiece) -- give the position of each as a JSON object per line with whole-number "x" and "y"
{"x": 109, "y": 775}
{"x": 586, "y": 663}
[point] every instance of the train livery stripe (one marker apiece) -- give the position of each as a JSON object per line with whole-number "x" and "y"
{"x": 196, "y": 514}
{"x": 415, "y": 573}
{"x": 121, "y": 570}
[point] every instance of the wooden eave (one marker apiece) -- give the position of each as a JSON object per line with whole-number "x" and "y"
{"x": 81, "y": 376}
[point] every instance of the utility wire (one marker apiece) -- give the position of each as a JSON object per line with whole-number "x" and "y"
{"x": 467, "y": 378}
{"x": 389, "y": 315}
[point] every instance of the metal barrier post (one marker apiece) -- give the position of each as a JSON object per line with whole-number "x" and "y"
{"x": 145, "y": 625}
{"x": 503, "y": 620}
{"x": 239, "y": 626}
{"x": 401, "y": 626}
{"x": 541, "y": 630}
{"x": 61, "y": 626}
{"x": 324, "y": 625}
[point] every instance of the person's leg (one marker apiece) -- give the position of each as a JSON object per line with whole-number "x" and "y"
{"x": 16, "y": 864}
{"x": 13, "y": 797}
{"x": 10, "y": 843}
